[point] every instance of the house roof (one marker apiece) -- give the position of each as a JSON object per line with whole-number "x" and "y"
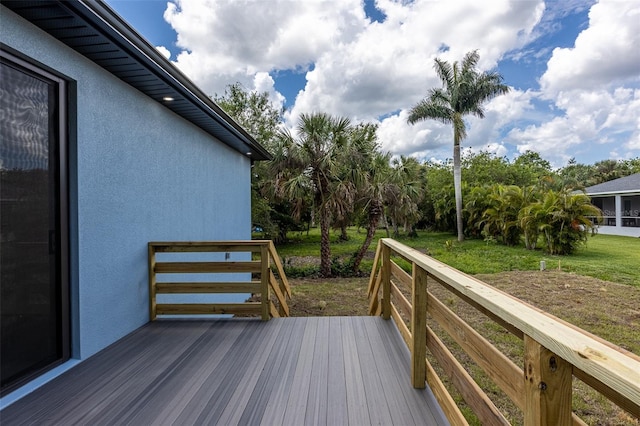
{"x": 96, "y": 31}
{"x": 629, "y": 183}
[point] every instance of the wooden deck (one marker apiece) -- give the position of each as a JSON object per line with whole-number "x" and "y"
{"x": 287, "y": 371}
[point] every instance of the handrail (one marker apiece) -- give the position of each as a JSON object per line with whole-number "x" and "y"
{"x": 263, "y": 280}
{"x": 554, "y": 350}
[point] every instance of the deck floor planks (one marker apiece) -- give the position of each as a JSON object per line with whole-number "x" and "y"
{"x": 233, "y": 411}
{"x": 387, "y": 335}
{"x": 357, "y": 408}
{"x": 379, "y": 408}
{"x": 316, "y": 413}
{"x": 301, "y": 382}
{"x": 290, "y": 371}
{"x": 337, "y": 411}
{"x": 269, "y": 396}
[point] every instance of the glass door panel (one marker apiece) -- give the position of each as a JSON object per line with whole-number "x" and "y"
{"x": 31, "y": 315}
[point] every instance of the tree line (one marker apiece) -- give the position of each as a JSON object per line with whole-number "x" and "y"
{"x": 332, "y": 172}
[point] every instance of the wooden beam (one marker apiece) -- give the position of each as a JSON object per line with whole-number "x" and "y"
{"x": 448, "y": 405}
{"x": 373, "y": 300}
{"x": 401, "y": 301}
{"x": 253, "y": 246}
{"x": 495, "y": 364}
{"x": 273, "y": 311}
{"x": 282, "y": 301}
{"x": 612, "y": 368}
{"x": 385, "y": 275}
{"x": 374, "y": 270}
{"x": 208, "y": 287}
{"x": 475, "y": 397}
{"x": 402, "y": 327}
{"x": 547, "y": 384}
{"x": 418, "y": 327}
{"x": 209, "y": 308}
{"x": 401, "y": 275}
{"x": 264, "y": 283}
{"x": 152, "y": 282}
{"x": 207, "y": 267}
{"x": 279, "y": 268}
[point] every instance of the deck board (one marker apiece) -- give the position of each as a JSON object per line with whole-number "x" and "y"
{"x": 290, "y": 371}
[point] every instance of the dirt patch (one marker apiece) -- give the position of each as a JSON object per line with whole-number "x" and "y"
{"x": 603, "y": 308}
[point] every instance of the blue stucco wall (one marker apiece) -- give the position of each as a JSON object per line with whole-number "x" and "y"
{"x": 138, "y": 173}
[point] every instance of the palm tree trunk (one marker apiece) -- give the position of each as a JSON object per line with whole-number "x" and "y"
{"x": 457, "y": 186}
{"x": 386, "y": 224}
{"x": 325, "y": 248}
{"x": 343, "y": 232}
{"x": 375, "y": 211}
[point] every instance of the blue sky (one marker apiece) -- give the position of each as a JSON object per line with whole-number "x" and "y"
{"x": 573, "y": 65}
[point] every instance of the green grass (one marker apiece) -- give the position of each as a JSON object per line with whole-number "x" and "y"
{"x": 606, "y": 257}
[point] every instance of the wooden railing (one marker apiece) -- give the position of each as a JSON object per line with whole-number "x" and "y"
{"x": 555, "y": 351}
{"x": 263, "y": 280}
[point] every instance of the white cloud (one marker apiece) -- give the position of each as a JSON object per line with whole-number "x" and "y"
{"x": 592, "y": 121}
{"x": 263, "y": 82}
{"x": 228, "y": 41}
{"x": 605, "y": 53}
{"x": 588, "y": 105}
{"x": 164, "y": 51}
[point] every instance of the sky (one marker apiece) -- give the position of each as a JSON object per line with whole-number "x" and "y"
{"x": 573, "y": 66}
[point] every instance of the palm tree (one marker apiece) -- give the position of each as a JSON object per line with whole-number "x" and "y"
{"x": 311, "y": 164}
{"x": 464, "y": 91}
{"x": 374, "y": 193}
{"x": 406, "y": 194}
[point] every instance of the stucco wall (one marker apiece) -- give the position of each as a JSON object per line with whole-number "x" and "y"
{"x": 138, "y": 173}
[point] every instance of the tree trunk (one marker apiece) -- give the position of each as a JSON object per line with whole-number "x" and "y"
{"x": 386, "y": 224}
{"x": 325, "y": 248}
{"x": 375, "y": 211}
{"x": 457, "y": 186}
{"x": 343, "y": 232}
{"x": 394, "y": 225}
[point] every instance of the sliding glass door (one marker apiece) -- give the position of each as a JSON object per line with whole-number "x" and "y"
{"x": 34, "y": 307}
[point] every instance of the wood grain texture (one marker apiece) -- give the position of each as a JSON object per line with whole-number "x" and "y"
{"x": 151, "y": 257}
{"x": 276, "y": 261}
{"x": 253, "y": 246}
{"x": 475, "y": 397}
{"x": 374, "y": 270}
{"x": 610, "y": 367}
{"x": 547, "y": 384}
{"x": 495, "y": 364}
{"x": 442, "y": 395}
{"x": 418, "y": 327}
{"x": 208, "y": 287}
{"x": 248, "y": 308}
{"x": 385, "y": 277}
{"x": 207, "y": 267}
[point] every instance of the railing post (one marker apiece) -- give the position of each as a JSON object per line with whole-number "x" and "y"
{"x": 152, "y": 282}
{"x": 547, "y": 386}
{"x": 264, "y": 282}
{"x": 386, "y": 281}
{"x": 418, "y": 327}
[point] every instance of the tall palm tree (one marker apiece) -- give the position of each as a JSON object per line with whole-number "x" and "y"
{"x": 464, "y": 91}
{"x": 310, "y": 163}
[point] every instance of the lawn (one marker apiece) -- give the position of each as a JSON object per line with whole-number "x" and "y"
{"x": 607, "y": 257}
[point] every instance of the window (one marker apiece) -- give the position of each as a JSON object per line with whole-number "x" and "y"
{"x": 34, "y": 272}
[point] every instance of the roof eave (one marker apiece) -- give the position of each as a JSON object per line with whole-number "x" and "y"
{"x": 191, "y": 103}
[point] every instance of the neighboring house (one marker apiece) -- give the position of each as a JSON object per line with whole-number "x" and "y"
{"x": 105, "y": 146}
{"x": 619, "y": 201}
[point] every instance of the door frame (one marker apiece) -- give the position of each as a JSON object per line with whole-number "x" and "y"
{"x": 60, "y": 163}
